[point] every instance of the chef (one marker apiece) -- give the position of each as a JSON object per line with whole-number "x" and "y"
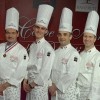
{"x": 41, "y": 58}
{"x": 13, "y": 59}
{"x": 89, "y": 75}
{"x": 66, "y": 64}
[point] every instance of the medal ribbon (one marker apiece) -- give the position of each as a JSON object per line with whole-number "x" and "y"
{"x": 10, "y": 47}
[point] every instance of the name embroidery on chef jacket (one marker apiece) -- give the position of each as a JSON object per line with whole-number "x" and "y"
{"x": 64, "y": 61}
{"x": 39, "y": 55}
{"x": 89, "y": 65}
{"x": 13, "y": 58}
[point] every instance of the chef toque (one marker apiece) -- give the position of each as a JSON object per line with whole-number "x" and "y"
{"x": 92, "y": 23}
{"x": 66, "y": 20}
{"x": 12, "y": 19}
{"x": 44, "y": 15}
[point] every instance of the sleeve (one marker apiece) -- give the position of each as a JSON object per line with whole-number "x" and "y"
{"x": 21, "y": 69}
{"x": 47, "y": 62}
{"x": 71, "y": 73}
{"x": 95, "y": 84}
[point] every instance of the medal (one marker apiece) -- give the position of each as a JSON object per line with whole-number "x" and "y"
{"x": 4, "y": 55}
{"x": 9, "y": 48}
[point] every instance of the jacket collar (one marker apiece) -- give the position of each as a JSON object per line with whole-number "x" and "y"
{"x": 40, "y": 41}
{"x": 91, "y": 50}
{"x": 66, "y": 47}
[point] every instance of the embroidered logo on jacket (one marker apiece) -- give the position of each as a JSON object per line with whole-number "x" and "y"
{"x": 39, "y": 55}
{"x": 64, "y": 61}
{"x": 13, "y": 58}
{"x": 89, "y": 65}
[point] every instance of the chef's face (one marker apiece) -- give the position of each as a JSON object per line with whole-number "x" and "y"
{"x": 39, "y": 31}
{"x": 11, "y": 35}
{"x": 64, "y": 38}
{"x": 89, "y": 39}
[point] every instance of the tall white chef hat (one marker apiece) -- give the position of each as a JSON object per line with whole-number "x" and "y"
{"x": 92, "y": 22}
{"x": 66, "y": 20}
{"x": 44, "y": 15}
{"x": 12, "y": 18}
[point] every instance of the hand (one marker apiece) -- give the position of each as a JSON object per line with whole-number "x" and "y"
{"x": 33, "y": 84}
{"x": 26, "y": 86}
{"x": 52, "y": 89}
{"x": 2, "y": 88}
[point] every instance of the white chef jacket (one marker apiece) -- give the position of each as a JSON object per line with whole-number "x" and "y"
{"x": 41, "y": 58}
{"x": 66, "y": 67}
{"x": 89, "y": 75}
{"x": 13, "y": 66}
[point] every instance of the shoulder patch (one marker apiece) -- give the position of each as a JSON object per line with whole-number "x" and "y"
{"x": 48, "y": 53}
{"x": 75, "y": 59}
{"x": 24, "y": 57}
